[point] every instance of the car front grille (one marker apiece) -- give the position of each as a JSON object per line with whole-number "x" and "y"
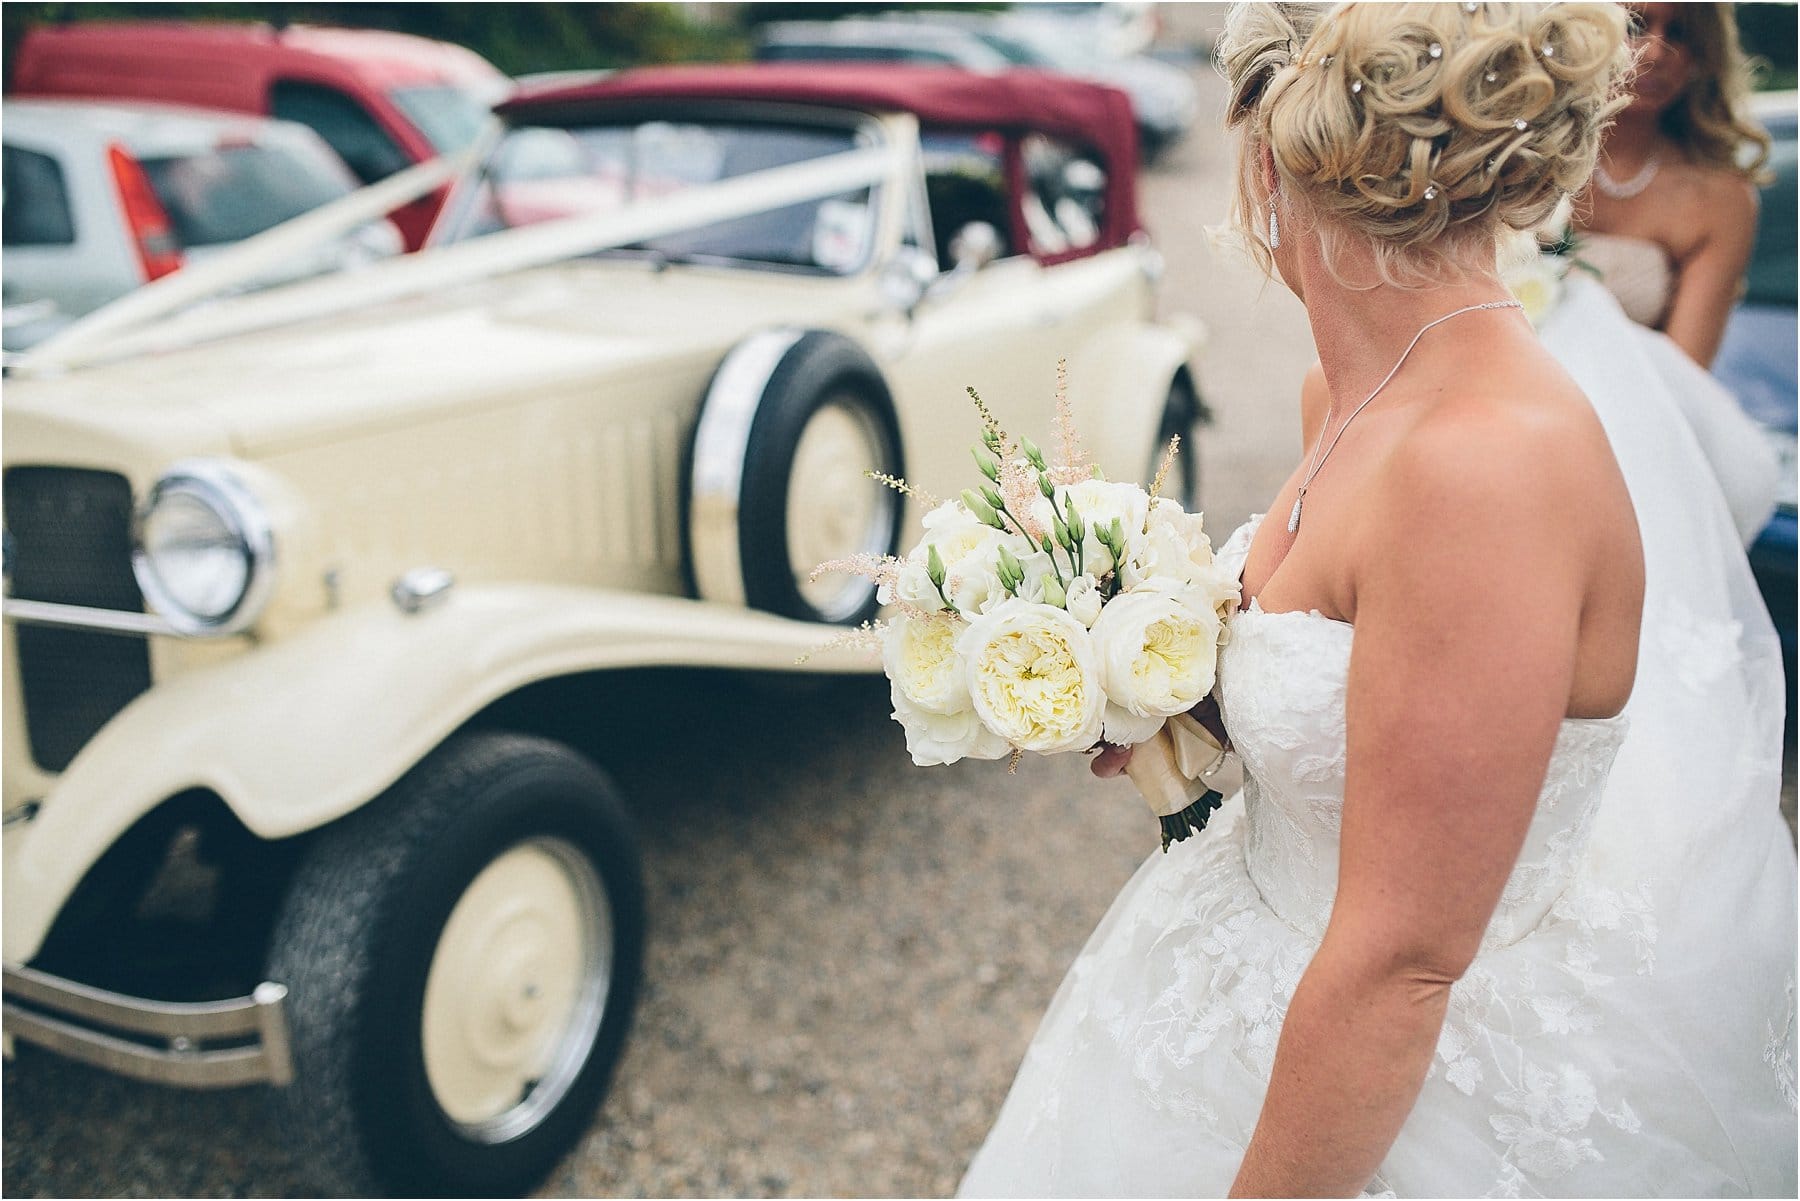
{"x": 71, "y": 544}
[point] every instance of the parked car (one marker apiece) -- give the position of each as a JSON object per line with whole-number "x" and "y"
{"x": 1757, "y": 362}
{"x": 354, "y": 577}
{"x": 101, "y": 198}
{"x": 874, "y": 40}
{"x": 1163, "y": 98}
{"x": 382, "y": 100}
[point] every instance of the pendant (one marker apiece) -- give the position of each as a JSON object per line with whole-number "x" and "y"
{"x": 1294, "y": 517}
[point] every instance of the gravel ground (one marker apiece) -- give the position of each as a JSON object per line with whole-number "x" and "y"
{"x": 848, "y": 955}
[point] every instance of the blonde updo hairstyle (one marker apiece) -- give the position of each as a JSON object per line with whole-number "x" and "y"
{"x": 1421, "y": 129}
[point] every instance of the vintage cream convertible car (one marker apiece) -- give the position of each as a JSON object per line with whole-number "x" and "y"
{"x": 284, "y": 569}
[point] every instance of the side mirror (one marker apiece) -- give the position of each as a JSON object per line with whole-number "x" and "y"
{"x": 906, "y": 278}
{"x": 975, "y": 246}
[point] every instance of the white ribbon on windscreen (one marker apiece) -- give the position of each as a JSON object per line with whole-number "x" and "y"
{"x": 147, "y": 320}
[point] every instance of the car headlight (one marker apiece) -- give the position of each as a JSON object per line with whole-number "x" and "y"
{"x": 204, "y": 550}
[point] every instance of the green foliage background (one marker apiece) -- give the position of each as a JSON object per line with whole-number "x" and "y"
{"x": 516, "y": 37}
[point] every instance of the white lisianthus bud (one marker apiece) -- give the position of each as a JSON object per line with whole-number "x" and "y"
{"x": 1083, "y": 600}
{"x": 1158, "y": 656}
{"x": 1039, "y": 574}
{"x": 1034, "y": 676}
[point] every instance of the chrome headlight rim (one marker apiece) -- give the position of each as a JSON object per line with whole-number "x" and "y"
{"x": 215, "y": 485}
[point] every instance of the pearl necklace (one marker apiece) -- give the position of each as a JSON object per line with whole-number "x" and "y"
{"x": 1293, "y": 524}
{"x": 1625, "y": 190}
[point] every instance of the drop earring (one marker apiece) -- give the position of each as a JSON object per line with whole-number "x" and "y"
{"x": 1274, "y": 227}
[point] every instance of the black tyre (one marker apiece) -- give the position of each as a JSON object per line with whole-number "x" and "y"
{"x": 462, "y": 958}
{"x": 823, "y": 420}
{"x": 1183, "y": 414}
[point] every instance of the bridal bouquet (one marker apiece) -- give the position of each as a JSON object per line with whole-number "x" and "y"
{"x": 1049, "y": 609}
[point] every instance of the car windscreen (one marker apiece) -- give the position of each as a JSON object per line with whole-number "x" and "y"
{"x": 543, "y": 173}
{"x": 232, "y": 192}
{"x": 450, "y": 117}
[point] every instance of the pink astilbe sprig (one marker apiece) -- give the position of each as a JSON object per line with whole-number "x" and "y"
{"x": 1069, "y": 465}
{"x": 926, "y": 500}
{"x": 865, "y": 637}
{"x": 1162, "y": 469}
{"x": 1019, "y": 487}
{"x": 883, "y": 569}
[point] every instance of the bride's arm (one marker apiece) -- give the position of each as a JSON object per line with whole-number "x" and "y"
{"x": 1467, "y": 611}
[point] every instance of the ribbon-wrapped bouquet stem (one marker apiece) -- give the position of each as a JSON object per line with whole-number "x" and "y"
{"x": 1050, "y": 609}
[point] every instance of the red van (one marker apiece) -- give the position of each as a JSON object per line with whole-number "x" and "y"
{"x": 382, "y": 100}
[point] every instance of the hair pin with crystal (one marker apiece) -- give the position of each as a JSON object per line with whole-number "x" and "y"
{"x": 1549, "y": 51}
{"x": 1431, "y": 191}
{"x": 1521, "y": 124}
{"x": 1356, "y": 86}
{"x": 1491, "y": 77}
{"x": 1436, "y": 50}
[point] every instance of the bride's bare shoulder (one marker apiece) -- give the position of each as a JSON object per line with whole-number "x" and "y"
{"x": 1519, "y": 453}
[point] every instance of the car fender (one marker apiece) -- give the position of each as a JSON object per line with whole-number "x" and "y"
{"x": 302, "y": 731}
{"x": 1118, "y": 382}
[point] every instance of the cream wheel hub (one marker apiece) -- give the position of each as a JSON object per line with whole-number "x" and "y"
{"x": 834, "y": 510}
{"x": 517, "y": 988}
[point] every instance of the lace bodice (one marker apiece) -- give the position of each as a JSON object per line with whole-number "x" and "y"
{"x": 1282, "y": 680}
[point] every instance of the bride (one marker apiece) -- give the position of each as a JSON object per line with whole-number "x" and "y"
{"x": 1424, "y": 957}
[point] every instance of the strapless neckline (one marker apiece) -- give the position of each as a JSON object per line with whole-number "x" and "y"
{"x": 1254, "y": 609}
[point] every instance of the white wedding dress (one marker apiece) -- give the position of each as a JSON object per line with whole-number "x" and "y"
{"x": 1628, "y": 1026}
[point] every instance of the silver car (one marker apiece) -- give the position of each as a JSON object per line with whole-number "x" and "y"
{"x": 101, "y": 198}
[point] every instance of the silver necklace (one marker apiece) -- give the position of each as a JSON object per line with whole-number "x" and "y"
{"x": 1626, "y": 189}
{"x": 1319, "y": 456}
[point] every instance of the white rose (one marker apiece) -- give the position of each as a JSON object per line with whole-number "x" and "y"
{"x": 1099, "y": 503}
{"x": 1537, "y": 284}
{"x": 937, "y": 738}
{"x": 921, "y": 659}
{"x": 913, "y": 585}
{"x": 1084, "y": 600}
{"x": 1158, "y": 657}
{"x": 1034, "y": 676}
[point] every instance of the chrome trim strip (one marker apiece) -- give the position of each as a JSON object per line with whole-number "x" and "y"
{"x": 720, "y": 442}
{"x": 67, "y": 1017}
{"x": 80, "y": 617}
{"x": 219, "y": 488}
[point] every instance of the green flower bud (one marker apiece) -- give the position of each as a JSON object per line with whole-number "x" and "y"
{"x": 1033, "y": 455}
{"x": 992, "y": 496}
{"x": 980, "y": 509}
{"x": 1098, "y": 474}
{"x": 1048, "y": 489}
{"x": 1054, "y": 594}
{"x": 934, "y": 567}
{"x": 988, "y": 467}
{"x": 1009, "y": 563}
{"x": 1049, "y": 546}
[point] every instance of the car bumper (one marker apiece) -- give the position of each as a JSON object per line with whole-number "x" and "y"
{"x": 200, "y": 1044}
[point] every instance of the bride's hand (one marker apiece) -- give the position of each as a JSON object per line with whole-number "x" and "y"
{"x": 1110, "y": 761}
